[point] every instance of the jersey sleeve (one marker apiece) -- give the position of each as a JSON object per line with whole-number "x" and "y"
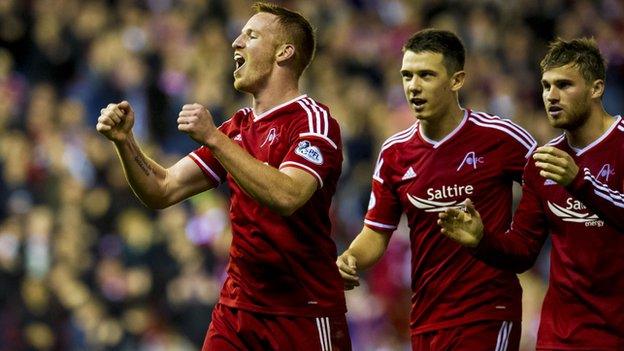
{"x": 205, "y": 160}
{"x": 316, "y": 146}
{"x": 384, "y": 207}
{"x": 518, "y": 248}
{"x": 608, "y": 203}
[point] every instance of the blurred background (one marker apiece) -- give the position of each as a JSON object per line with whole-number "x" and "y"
{"x": 84, "y": 266}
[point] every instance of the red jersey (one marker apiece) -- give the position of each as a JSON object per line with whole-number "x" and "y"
{"x": 479, "y": 160}
{"x": 283, "y": 265}
{"x": 584, "y": 305}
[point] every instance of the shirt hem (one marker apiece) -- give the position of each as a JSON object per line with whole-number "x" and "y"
{"x": 299, "y": 312}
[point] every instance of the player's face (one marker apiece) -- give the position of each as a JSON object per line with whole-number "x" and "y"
{"x": 427, "y": 84}
{"x": 567, "y": 97}
{"x": 254, "y": 52}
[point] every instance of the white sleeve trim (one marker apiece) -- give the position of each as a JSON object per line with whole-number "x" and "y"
{"x": 205, "y": 167}
{"x": 299, "y": 165}
{"x": 380, "y": 225}
{"x": 331, "y": 142}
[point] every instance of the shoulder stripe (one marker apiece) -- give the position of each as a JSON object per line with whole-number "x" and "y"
{"x": 325, "y": 115}
{"x": 310, "y": 118}
{"x": 604, "y": 191}
{"x": 316, "y": 116}
{"x": 409, "y": 134}
{"x": 205, "y": 167}
{"x": 516, "y": 129}
{"x": 400, "y": 134}
{"x": 529, "y": 147}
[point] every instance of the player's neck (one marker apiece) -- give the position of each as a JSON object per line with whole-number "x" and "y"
{"x": 598, "y": 122}
{"x": 275, "y": 93}
{"x": 438, "y": 128}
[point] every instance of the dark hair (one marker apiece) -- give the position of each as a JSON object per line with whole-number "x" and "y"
{"x": 439, "y": 41}
{"x": 583, "y": 53}
{"x": 296, "y": 30}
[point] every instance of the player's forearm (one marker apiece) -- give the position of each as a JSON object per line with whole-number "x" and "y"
{"x": 265, "y": 184}
{"x": 368, "y": 248}
{"x": 145, "y": 176}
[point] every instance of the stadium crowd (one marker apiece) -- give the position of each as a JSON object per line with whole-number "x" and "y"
{"x": 85, "y": 266}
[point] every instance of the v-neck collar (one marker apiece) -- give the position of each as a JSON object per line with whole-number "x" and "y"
{"x": 435, "y": 143}
{"x": 273, "y": 109}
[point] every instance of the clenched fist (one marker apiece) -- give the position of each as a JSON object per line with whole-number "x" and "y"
{"x": 116, "y": 121}
{"x": 196, "y": 121}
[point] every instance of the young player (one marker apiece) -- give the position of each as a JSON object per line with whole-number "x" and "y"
{"x": 572, "y": 190}
{"x": 281, "y": 160}
{"x": 448, "y": 155}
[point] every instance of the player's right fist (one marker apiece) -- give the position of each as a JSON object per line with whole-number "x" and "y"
{"x": 347, "y": 266}
{"x": 116, "y": 121}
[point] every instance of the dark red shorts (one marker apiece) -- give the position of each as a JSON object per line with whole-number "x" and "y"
{"x": 235, "y": 329}
{"x": 480, "y": 336}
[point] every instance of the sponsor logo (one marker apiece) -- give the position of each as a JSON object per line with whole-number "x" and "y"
{"x": 432, "y": 203}
{"x": 549, "y": 182}
{"x": 310, "y": 152}
{"x": 270, "y": 138}
{"x": 569, "y": 213}
{"x": 409, "y": 174}
{"x": 470, "y": 160}
{"x": 605, "y": 172}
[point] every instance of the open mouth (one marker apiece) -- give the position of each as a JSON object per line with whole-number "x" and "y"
{"x": 418, "y": 103}
{"x": 239, "y": 61}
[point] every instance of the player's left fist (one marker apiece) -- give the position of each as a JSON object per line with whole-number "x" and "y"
{"x": 196, "y": 121}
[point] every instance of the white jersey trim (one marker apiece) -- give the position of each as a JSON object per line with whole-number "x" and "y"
{"x": 331, "y": 142}
{"x": 556, "y": 140}
{"x": 435, "y": 143}
{"x": 615, "y": 124}
{"x": 603, "y": 190}
{"x": 318, "y": 117}
{"x": 503, "y": 336}
{"x": 400, "y": 137}
{"x": 205, "y": 166}
{"x": 379, "y": 225}
{"x": 304, "y": 167}
{"x": 507, "y": 126}
{"x": 324, "y": 330}
{"x": 273, "y": 109}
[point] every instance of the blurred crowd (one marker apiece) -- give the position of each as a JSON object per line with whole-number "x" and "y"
{"x": 85, "y": 266}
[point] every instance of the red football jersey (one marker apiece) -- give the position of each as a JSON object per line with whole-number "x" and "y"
{"x": 479, "y": 160}
{"x": 283, "y": 265}
{"x": 584, "y": 305}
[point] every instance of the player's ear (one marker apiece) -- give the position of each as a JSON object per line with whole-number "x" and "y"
{"x": 457, "y": 80}
{"x": 284, "y": 53}
{"x": 597, "y": 88}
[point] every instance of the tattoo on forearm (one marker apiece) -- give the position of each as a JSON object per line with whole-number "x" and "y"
{"x": 143, "y": 164}
{"x": 141, "y": 161}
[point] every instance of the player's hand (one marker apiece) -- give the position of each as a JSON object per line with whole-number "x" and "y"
{"x": 463, "y": 226}
{"x": 555, "y": 164}
{"x": 116, "y": 121}
{"x": 196, "y": 121}
{"x": 347, "y": 266}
